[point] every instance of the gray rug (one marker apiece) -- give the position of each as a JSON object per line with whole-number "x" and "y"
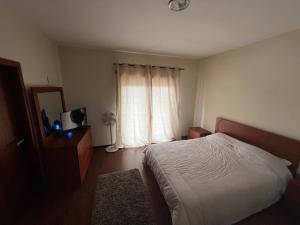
{"x": 120, "y": 199}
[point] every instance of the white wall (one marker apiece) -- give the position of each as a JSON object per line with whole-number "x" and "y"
{"x": 22, "y": 42}
{"x": 89, "y": 80}
{"x": 258, "y": 85}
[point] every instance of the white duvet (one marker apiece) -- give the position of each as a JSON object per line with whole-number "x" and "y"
{"x": 216, "y": 180}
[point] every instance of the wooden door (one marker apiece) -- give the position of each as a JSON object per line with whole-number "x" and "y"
{"x": 15, "y": 139}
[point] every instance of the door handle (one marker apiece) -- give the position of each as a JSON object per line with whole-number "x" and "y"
{"x": 20, "y": 142}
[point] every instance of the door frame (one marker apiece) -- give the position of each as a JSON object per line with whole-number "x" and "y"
{"x": 17, "y": 66}
{"x": 34, "y": 156}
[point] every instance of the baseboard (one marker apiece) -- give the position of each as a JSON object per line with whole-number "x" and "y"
{"x": 100, "y": 146}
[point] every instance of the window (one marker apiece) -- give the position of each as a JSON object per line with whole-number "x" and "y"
{"x": 147, "y": 105}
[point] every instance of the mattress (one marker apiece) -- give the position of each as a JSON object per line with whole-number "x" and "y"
{"x": 216, "y": 180}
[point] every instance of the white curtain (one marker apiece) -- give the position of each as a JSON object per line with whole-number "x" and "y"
{"x": 147, "y": 105}
{"x": 165, "y": 99}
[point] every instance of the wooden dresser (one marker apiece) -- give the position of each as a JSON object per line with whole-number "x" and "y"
{"x": 67, "y": 159}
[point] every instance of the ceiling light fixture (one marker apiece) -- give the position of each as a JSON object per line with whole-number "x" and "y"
{"x": 178, "y": 5}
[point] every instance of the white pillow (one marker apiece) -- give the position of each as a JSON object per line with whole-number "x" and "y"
{"x": 275, "y": 163}
{"x": 286, "y": 162}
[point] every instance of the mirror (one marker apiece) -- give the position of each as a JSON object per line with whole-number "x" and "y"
{"x": 50, "y": 109}
{"x": 49, "y": 104}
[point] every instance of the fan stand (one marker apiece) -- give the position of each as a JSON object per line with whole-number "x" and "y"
{"x": 111, "y": 147}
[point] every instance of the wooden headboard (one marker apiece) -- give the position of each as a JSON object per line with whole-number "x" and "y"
{"x": 278, "y": 145}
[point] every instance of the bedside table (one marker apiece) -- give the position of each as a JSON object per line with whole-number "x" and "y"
{"x": 197, "y": 132}
{"x": 292, "y": 197}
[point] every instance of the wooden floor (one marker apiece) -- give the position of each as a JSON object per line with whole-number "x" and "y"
{"x": 75, "y": 208}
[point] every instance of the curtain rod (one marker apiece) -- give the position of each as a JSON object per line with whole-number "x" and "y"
{"x": 142, "y": 65}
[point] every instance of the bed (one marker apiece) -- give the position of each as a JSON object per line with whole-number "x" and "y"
{"x": 225, "y": 177}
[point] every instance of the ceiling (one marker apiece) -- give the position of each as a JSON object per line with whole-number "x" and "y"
{"x": 207, "y": 27}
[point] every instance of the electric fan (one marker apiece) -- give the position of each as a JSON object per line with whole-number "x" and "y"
{"x": 109, "y": 119}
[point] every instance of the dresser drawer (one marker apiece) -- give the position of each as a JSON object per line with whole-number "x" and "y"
{"x": 85, "y": 152}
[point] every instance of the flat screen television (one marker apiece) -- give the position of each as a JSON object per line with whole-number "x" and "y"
{"x": 73, "y": 119}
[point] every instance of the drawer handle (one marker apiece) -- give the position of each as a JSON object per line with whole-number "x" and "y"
{"x": 20, "y": 142}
